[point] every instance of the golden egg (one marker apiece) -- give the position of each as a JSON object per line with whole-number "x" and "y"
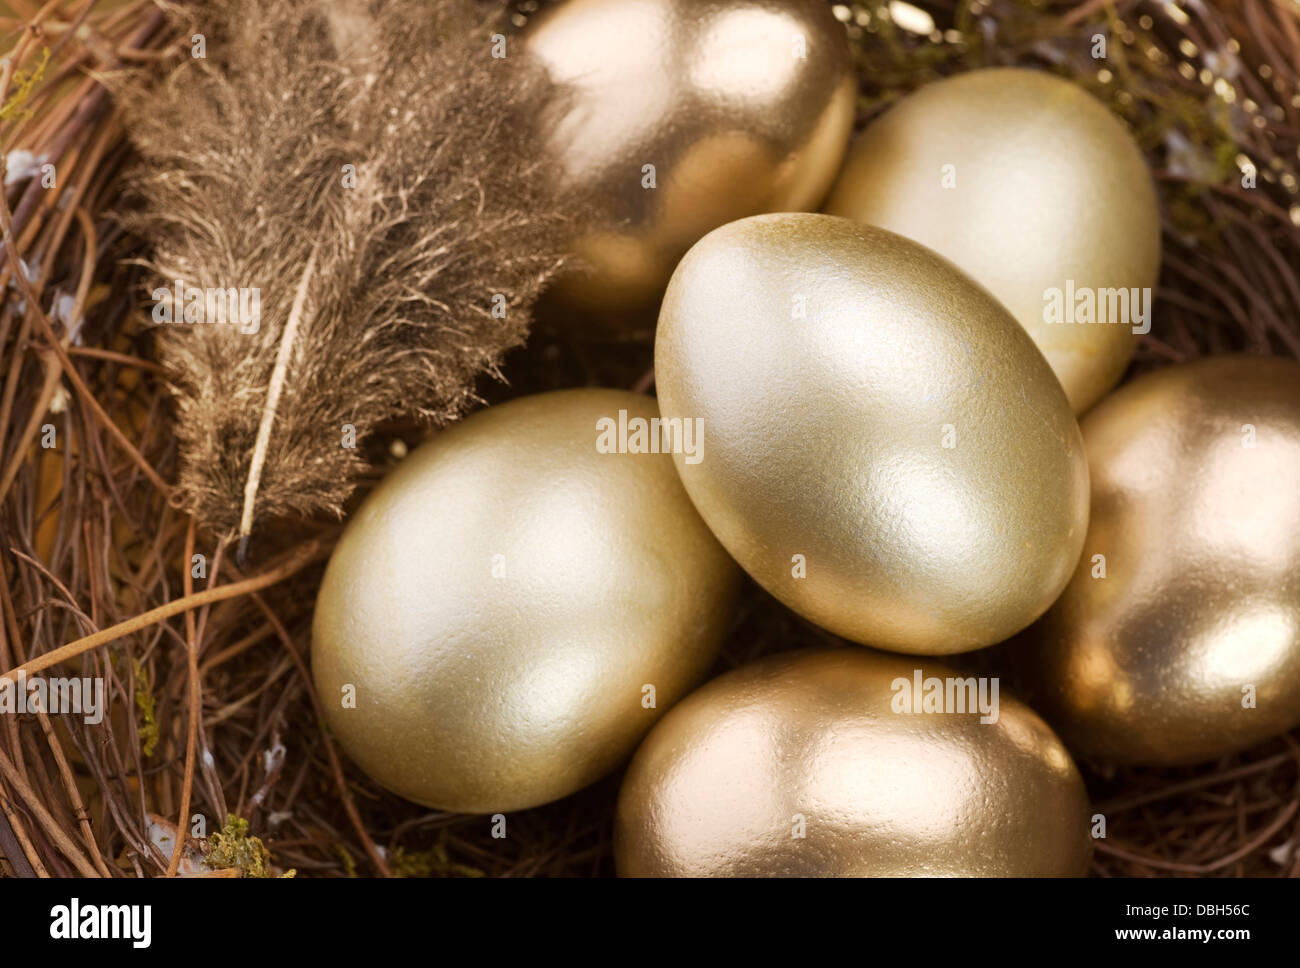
{"x": 885, "y": 450}
{"x": 681, "y": 115}
{"x": 1178, "y": 638}
{"x": 512, "y": 608}
{"x": 1035, "y": 189}
{"x": 823, "y": 764}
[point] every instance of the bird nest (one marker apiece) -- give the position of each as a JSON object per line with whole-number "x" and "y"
{"x": 211, "y": 759}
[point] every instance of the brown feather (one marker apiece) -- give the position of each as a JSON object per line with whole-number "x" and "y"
{"x": 243, "y": 182}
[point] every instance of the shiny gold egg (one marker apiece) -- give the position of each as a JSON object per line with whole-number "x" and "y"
{"x": 885, "y": 450}
{"x": 1035, "y": 189}
{"x": 513, "y": 607}
{"x": 827, "y": 764}
{"x": 681, "y": 115}
{"x": 1178, "y": 638}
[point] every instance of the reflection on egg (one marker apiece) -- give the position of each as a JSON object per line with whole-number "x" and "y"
{"x": 1035, "y": 189}
{"x": 810, "y": 764}
{"x": 681, "y": 115}
{"x": 513, "y": 607}
{"x": 887, "y": 452}
{"x": 1178, "y": 638}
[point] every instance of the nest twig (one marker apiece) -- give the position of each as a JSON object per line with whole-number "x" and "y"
{"x": 211, "y": 705}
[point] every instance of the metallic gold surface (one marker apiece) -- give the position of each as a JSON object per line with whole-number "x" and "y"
{"x": 719, "y": 786}
{"x": 826, "y": 433}
{"x": 1201, "y": 594}
{"x": 501, "y": 600}
{"x": 1047, "y": 187}
{"x": 741, "y": 106}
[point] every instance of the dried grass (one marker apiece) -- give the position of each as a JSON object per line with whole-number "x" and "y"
{"x": 91, "y": 536}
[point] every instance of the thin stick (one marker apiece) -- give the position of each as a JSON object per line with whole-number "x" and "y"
{"x": 1175, "y": 789}
{"x": 1243, "y": 851}
{"x": 51, "y": 365}
{"x": 15, "y": 845}
{"x": 192, "y": 733}
{"x": 278, "y": 374}
{"x": 94, "y": 352}
{"x": 52, "y": 828}
{"x": 345, "y": 795}
{"x": 74, "y": 797}
{"x": 296, "y": 563}
{"x": 85, "y": 393}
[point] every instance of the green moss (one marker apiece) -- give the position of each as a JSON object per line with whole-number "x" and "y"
{"x": 232, "y": 846}
{"x": 148, "y": 725}
{"x": 23, "y": 82}
{"x": 433, "y": 862}
{"x": 349, "y": 862}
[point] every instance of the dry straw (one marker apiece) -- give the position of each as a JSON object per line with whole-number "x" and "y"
{"x": 212, "y": 710}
